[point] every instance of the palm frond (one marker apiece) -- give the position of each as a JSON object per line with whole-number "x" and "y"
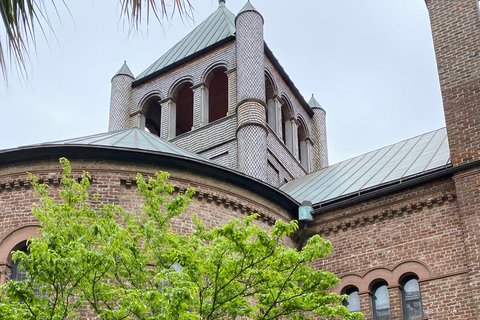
{"x": 23, "y": 18}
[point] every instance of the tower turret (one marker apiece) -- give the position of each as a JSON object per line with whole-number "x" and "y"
{"x": 120, "y": 99}
{"x": 251, "y": 105}
{"x": 319, "y": 134}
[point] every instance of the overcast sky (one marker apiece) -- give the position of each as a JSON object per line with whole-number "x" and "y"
{"x": 370, "y": 64}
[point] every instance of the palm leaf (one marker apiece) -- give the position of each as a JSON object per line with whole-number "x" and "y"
{"x": 22, "y": 18}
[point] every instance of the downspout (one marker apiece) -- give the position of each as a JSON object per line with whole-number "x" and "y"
{"x": 305, "y": 212}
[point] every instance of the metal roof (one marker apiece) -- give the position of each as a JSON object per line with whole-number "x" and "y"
{"x": 313, "y": 103}
{"x": 401, "y": 161}
{"x": 134, "y": 139}
{"x": 124, "y": 70}
{"x": 217, "y": 27}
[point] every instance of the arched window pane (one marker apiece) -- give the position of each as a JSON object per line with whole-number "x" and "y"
{"x": 18, "y": 273}
{"x": 353, "y": 301}
{"x": 412, "y": 300}
{"x": 381, "y": 303}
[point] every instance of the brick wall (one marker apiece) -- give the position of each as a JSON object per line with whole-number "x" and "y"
{"x": 415, "y": 231}
{"x": 215, "y": 201}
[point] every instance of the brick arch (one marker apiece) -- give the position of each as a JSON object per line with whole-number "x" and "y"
{"x": 179, "y": 85}
{"x": 150, "y": 108}
{"x": 303, "y": 123}
{"x": 393, "y": 276}
{"x": 274, "y": 89}
{"x": 211, "y": 70}
{"x": 13, "y": 240}
{"x": 152, "y": 95}
{"x": 182, "y": 94}
{"x": 285, "y": 100}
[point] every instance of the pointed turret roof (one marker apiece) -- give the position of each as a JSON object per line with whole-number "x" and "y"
{"x": 313, "y": 103}
{"x": 247, "y": 7}
{"x": 124, "y": 70}
{"x": 217, "y": 29}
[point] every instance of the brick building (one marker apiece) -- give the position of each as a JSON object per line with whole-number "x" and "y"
{"x": 220, "y": 114}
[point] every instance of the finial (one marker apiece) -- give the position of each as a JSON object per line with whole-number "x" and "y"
{"x": 221, "y": 2}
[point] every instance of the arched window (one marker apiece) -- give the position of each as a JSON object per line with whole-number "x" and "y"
{"x": 153, "y": 116}
{"x": 287, "y": 135}
{"x": 381, "y": 302}
{"x": 18, "y": 273}
{"x": 270, "y": 112}
{"x": 218, "y": 95}
{"x": 412, "y": 300}
{"x": 302, "y": 145}
{"x": 184, "y": 109}
{"x": 353, "y": 301}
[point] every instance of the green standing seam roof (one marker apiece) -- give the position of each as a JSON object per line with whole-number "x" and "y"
{"x": 404, "y": 160}
{"x": 134, "y": 139}
{"x": 217, "y": 27}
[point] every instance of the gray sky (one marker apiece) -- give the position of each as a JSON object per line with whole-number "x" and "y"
{"x": 370, "y": 64}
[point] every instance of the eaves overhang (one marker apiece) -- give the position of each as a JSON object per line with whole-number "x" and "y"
{"x": 90, "y": 152}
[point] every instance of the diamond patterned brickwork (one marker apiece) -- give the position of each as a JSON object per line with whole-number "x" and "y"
{"x": 224, "y": 154}
{"x": 288, "y": 166}
{"x": 232, "y": 91}
{"x": 252, "y": 151}
{"x": 319, "y": 136}
{"x": 213, "y": 134}
{"x": 250, "y": 56}
{"x": 120, "y": 102}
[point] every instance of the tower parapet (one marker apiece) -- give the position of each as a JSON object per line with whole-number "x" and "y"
{"x": 120, "y": 98}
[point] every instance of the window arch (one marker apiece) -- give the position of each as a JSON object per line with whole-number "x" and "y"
{"x": 17, "y": 273}
{"x": 302, "y": 143}
{"x": 184, "y": 108}
{"x": 153, "y": 115}
{"x": 353, "y": 301}
{"x": 411, "y": 298}
{"x": 381, "y": 301}
{"x": 217, "y": 82}
{"x": 269, "y": 94}
{"x": 287, "y": 134}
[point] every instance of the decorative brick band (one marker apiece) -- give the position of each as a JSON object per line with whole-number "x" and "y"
{"x": 354, "y": 220}
{"x": 221, "y": 198}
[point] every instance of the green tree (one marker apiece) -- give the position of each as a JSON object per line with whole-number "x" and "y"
{"x": 23, "y": 18}
{"x": 95, "y": 257}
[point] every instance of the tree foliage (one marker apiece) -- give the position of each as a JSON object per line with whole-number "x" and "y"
{"x": 22, "y": 19}
{"x": 96, "y": 258}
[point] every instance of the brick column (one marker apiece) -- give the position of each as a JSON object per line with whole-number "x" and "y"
{"x": 167, "y": 128}
{"x": 232, "y": 90}
{"x": 200, "y": 105}
{"x": 456, "y": 32}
